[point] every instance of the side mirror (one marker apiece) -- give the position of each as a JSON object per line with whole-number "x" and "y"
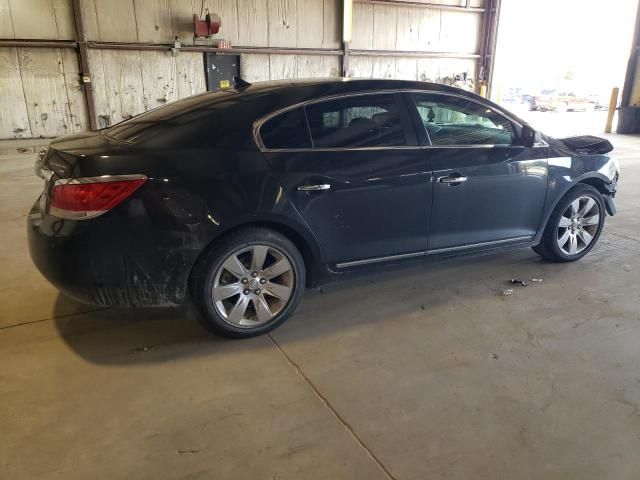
{"x": 529, "y": 136}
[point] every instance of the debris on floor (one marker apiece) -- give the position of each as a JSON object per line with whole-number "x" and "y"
{"x": 182, "y": 452}
{"x": 494, "y": 356}
{"x": 522, "y": 283}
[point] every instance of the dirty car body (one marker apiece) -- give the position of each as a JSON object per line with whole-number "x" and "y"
{"x": 205, "y": 167}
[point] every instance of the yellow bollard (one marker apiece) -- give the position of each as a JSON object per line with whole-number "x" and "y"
{"x": 483, "y": 91}
{"x": 613, "y": 103}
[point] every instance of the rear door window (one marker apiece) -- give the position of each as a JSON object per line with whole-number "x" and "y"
{"x": 372, "y": 120}
{"x": 287, "y": 130}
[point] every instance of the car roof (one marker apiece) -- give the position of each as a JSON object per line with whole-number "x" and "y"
{"x": 343, "y": 85}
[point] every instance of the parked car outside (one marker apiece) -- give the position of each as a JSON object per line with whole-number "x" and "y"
{"x": 562, "y": 101}
{"x": 241, "y": 198}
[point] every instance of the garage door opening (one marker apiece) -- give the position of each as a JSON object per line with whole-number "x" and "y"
{"x": 557, "y": 62}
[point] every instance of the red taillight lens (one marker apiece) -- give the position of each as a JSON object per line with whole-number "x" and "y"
{"x": 83, "y": 198}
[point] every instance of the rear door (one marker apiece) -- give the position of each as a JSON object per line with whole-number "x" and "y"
{"x": 487, "y": 189}
{"x": 360, "y": 181}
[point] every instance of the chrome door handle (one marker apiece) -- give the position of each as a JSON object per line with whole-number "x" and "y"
{"x": 452, "y": 179}
{"x": 314, "y": 188}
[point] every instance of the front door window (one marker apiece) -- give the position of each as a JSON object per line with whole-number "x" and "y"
{"x": 457, "y": 121}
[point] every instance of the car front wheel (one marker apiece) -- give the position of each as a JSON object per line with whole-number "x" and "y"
{"x": 248, "y": 283}
{"x": 574, "y": 226}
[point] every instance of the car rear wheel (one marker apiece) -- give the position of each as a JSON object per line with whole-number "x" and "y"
{"x": 248, "y": 283}
{"x": 574, "y": 226}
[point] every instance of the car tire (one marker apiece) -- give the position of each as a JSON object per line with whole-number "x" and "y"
{"x": 248, "y": 283}
{"x": 574, "y": 226}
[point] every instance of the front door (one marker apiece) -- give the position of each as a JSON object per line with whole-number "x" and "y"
{"x": 363, "y": 186}
{"x": 487, "y": 189}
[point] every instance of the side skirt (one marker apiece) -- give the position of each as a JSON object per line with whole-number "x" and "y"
{"x": 450, "y": 251}
{"x": 391, "y": 264}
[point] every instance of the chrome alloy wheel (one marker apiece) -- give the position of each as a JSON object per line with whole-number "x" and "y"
{"x": 253, "y": 285}
{"x": 578, "y": 225}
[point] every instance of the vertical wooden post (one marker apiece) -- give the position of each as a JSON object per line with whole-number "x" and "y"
{"x": 632, "y": 64}
{"x": 488, "y": 37}
{"x": 613, "y": 103}
{"x": 347, "y": 24}
{"x": 83, "y": 60}
{"x": 345, "y": 59}
{"x": 629, "y": 113}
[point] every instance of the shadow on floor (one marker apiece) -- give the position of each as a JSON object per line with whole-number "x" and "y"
{"x": 121, "y": 336}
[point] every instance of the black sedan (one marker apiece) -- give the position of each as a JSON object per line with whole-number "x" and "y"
{"x": 244, "y": 197}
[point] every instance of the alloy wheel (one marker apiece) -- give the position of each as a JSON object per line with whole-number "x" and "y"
{"x": 578, "y": 225}
{"x": 253, "y": 285}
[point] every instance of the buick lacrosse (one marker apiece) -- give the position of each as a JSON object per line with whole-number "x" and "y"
{"x": 241, "y": 198}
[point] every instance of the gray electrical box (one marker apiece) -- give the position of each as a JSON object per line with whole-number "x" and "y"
{"x": 220, "y": 70}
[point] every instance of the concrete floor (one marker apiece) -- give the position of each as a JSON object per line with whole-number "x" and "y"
{"x": 423, "y": 373}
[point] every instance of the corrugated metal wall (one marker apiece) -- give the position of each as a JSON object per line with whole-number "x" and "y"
{"x": 40, "y": 94}
{"x": 382, "y": 27}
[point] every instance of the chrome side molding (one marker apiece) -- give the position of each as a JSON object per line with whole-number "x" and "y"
{"x": 426, "y": 253}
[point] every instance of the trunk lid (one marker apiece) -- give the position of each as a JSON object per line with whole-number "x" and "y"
{"x": 64, "y": 156}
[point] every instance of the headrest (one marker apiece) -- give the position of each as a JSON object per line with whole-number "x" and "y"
{"x": 385, "y": 119}
{"x": 362, "y": 123}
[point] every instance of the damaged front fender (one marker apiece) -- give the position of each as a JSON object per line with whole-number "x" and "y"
{"x": 578, "y": 160}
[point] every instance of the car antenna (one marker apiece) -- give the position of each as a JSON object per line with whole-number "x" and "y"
{"x": 240, "y": 83}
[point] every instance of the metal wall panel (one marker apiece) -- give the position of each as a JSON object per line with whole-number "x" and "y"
{"x": 44, "y": 83}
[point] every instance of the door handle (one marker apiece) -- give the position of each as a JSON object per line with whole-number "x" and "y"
{"x": 452, "y": 180}
{"x": 314, "y": 188}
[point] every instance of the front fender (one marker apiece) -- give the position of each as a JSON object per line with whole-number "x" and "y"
{"x": 565, "y": 172}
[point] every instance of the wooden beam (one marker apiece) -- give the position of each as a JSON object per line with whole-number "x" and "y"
{"x": 345, "y": 59}
{"x": 411, "y": 53}
{"x": 221, "y": 51}
{"x": 433, "y": 6}
{"x": 12, "y": 42}
{"x": 632, "y": 63}
{"x": 236, "y": 50}
{"x": 85, "y": 71}
{"x": 347, "y": 35}
{"x": 488, "y": 37}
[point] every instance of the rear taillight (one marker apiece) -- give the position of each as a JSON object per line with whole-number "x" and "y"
{"x": 88, "y": 197}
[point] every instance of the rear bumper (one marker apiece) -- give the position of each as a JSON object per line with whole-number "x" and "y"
{"x": 97, "y": 263}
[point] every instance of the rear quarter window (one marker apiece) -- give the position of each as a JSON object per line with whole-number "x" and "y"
{"x": 286, "y": 130}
